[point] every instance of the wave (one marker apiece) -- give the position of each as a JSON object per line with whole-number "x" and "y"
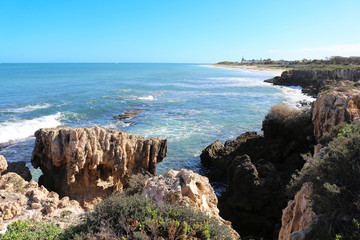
{"x": 21, "y": 129}
{"x": 28, "y": 108}
{"x": 294, "y": 96}
{"x": 147, "y": 98}
{"x": 118, "y": 124}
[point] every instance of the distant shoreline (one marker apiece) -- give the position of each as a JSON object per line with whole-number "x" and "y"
{"x": 247, "y": 68}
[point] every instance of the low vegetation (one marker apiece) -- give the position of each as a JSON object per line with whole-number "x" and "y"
{"x": 335, "y": 174}
{"x": 31, "y": 230}
{"x": 316, "y": 64}
{"x": 136, "y": 217}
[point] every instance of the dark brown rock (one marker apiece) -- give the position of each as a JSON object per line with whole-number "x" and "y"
{"x": 20, "y": 168}
{"x": 130, "y": 114}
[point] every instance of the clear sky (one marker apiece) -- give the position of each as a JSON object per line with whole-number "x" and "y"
{"x": 176, "y": 30}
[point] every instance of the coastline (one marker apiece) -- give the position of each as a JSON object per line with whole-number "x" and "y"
{"x": 246, "y": 68}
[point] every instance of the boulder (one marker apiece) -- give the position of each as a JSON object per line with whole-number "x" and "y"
{"x": 3, "y": 164}
{"x": 185, "y": 187}
{"x": 298, "y": 215}
{"x": 88, "y": 164}
{"x": 334, "y": 107}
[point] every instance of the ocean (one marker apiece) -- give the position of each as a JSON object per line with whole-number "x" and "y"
{"x": 190, "y": 105}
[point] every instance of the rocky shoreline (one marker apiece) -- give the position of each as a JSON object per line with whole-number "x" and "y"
{"x": 83, "y": 166}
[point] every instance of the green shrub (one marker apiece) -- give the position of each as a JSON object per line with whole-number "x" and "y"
{"x": 136, "y": 217}
{"x": 336, "y": 175}
{"x": 136, "y": 183}
{"x": 30, "y": 230}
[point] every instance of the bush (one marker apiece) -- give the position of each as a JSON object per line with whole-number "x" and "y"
{"x": 288, "y": 122}
{"x": 136, "y": 217}
{"x": 30, "y": 230}
{"x": 336, "y": 175}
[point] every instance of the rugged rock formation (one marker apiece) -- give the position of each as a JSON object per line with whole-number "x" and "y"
{"x": 312, "y": 80}
{"x": 20, "y": 199}
{"x": 130, "y": 114}
{"x": 184, "y": 187}
{"x": 334, "y": 107}
{"x": 257, "y": 169}
{"x": 88, "y": 164}
{"x": 298, "y": 215}
{"x": 19, "y": 168}
{"x": 3, "y": 164}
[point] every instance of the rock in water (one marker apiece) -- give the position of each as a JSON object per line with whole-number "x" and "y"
{"x": 88, "y": 164}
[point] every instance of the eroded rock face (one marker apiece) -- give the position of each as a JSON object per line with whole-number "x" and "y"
{"x": 313, "y": 80}
{"x": 332, "y": 108}
{"x": 185, "y": 187}
{"x": 88, "y": 164}
{"x": 298, "y": 215}
{"x": 257, "y": 169}
{"x": 20, "y": 199}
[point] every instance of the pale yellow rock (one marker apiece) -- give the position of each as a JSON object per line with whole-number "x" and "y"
{"x": 185, "y": 187}
{"x": 3, "y": 164}
{"x": 334, "y": 107}
{"x": 89, "y": 164}
{"x": 298, "y": 215}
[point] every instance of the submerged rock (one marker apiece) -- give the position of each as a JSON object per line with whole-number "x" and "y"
{"x": 88, "y": 164}
{"x": 130, "y": 114}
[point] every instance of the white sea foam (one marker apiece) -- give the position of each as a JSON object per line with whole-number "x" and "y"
{"x": 16, "y": 130}
{"x": 147, "y": 98}
{"x": 27, "y": 108}
{"x": 294, "y": 96}
{"x": 117, "y": 125}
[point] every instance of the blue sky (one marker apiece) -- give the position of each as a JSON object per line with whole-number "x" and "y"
{"x": 176, "y": 30}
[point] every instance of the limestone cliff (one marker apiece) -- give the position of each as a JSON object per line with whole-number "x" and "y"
{"x": 88, "y": 164}
{"x": 334, "y": 107}
{"x": 298, "y": 215}
{"x": 257, "y": 168}
{"x": 312, "y": 80}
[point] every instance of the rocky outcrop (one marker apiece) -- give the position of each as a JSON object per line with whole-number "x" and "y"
{"x": 313, "y": 80}
{"x": 130, "y": 114}
{"x": 20, "y": 199}
{"x": 257, "y": 169}
{"x": 334, "y": 107}
{"x": 88, "y": 164}
{"x": 185, "y": 187}
{"x": 298, "y": 215}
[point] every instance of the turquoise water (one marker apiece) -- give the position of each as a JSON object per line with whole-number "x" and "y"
{"x": 188, "y": 104}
